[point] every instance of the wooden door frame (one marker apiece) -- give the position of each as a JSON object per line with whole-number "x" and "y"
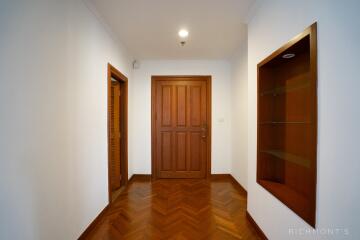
{"x": 154, "y": 80}
{"x": 121, "y": 78}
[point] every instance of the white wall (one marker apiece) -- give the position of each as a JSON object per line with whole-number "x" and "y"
{"x": 239, "y": 115}
{"x": 338, "y": 195}
{"x": 221, "y": 109}
{"x": 53, "y": 115}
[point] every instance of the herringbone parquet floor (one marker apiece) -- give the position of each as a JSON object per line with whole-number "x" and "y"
{"x": 177, "y": 209}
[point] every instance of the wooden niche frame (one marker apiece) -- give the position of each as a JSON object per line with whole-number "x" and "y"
{"x": 287, "y": 124}
{"x": 121, "y": 78}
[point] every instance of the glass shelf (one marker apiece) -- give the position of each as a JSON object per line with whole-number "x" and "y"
{"x": 286, "y": 122}
{"x": 295, "y": 159}
{"x": 285, "y": 89}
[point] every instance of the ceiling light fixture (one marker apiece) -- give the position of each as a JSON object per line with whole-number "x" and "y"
{"x": 183, "y": 33}
{"x": 288, "y": 55}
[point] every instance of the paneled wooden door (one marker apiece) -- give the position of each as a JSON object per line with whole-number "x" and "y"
{"x": 181, "y": 126}
{"x": 115, "y": 136}
{"x": 117, "y": 86}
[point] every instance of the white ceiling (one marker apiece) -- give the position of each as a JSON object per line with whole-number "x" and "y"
{"x": 148, "y": 28}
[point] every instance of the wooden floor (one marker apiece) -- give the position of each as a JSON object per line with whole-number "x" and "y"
{"x": 177, "y": 209}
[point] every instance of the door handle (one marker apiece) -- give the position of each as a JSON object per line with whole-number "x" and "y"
{"x": 204, "y": 131}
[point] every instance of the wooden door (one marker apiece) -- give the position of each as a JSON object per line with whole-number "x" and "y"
{"x": 181, "y": 127}
{"x": 117, "y": 86}
{"x": 115, "y": 141}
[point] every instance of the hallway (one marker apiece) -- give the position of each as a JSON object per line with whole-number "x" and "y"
{"x": 177, "y": 209}
{"x": 244, "y": 111}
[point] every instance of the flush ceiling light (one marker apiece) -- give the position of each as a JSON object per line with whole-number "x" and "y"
{"x": 183, "y": 33}
{"x": 288, "y": 55}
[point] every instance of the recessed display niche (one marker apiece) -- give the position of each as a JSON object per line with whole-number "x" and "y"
{"x": 287, "y": 124}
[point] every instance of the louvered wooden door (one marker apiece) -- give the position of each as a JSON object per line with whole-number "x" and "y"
{"x": 115, "y": 174}
{"x": 181, "y": 127}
